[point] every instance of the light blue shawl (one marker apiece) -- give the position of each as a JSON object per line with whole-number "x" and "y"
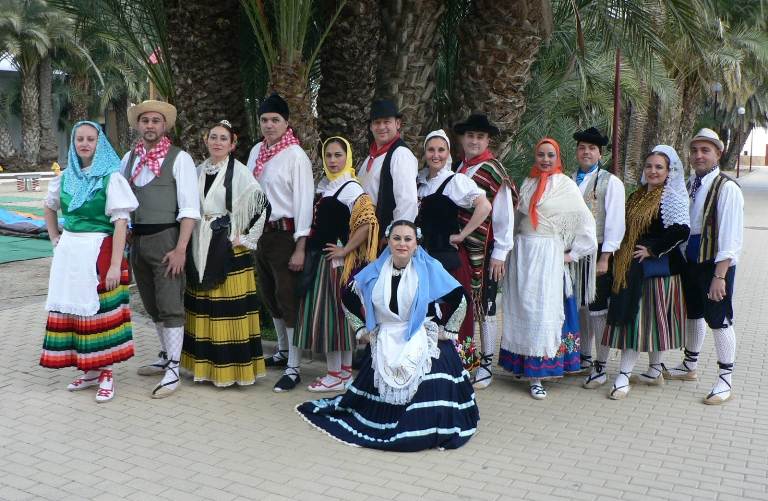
{"x": 83, "y": 185}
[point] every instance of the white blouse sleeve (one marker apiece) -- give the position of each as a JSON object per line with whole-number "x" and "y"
{"x": 187, "y": 194}
{"x": 120, "y": 198}
{"x": 463, "y": 191}
{"x": 614, "y": 215}
{"x": 405, "y": 169}
{"x": 730, "y": 223}
{"x": 303, "y": 195}
{"x": 53, "y": 196}
{"x": 503, "y": 220}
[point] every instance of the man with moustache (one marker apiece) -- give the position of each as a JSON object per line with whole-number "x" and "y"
{"x": 284, "y": 172}
{"x": 712, "y": 251}
{"x": 604, "y": 195}
{"x": 388, "y": 174}
{"x": 489, "y": 245}
{"x": 164, "y": 180}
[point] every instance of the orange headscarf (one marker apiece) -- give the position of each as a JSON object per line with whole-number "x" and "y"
{"x": 543, "y": 176}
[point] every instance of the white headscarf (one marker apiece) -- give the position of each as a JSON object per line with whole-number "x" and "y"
{"x": 674, "y": 199}
{"x": 440, "y": 133}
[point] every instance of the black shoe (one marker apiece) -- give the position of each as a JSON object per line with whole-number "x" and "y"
{"x": 286, "y": 383}
{"x": 279, "y": 359}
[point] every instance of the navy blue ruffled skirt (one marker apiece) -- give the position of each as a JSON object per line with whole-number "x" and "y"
{"x": 442, "y": 414}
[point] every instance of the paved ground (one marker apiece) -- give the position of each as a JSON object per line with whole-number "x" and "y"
{"x": 247, "y": 443}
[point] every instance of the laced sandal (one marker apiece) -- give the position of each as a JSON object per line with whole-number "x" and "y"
{"x": 106, "y": 387}
{"x": 538, "y": 392}
{"x": 585, "y": 366}
{"x": 646, "y": 378}
{"x": 618, "y": 392}
{"x": 288, "y": 381}
{"x": 165, "y": 388}
{"x": 597, "y": 377}
{"x": 683, "y": 372}
{"x": 279, "y": 359}
{"x": 155, "y": 369}
{"x": 346, "y": 372}
{"x": 331, "y": 382}
{"x": 722, "y": 396}
{"x": 84, "y": 381}
{"x": 483, "y": 376}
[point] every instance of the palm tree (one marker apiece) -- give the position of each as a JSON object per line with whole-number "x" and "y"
{"x": 49, "y": 146}
{"x": 408, "y": 60}
{"x": 29, "y": 29}
{"x": 349, "y": 73}
{"x": 289, "y": 43}
{"x": 203, "y": 52}
{"x": 7, "y": 149}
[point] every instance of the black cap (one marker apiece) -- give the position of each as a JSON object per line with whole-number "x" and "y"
{"x": 591, "y": 136}
{"x": 274, "y": 104}
{"x": 383, "y": 108}
{"x": 477, "y": 122}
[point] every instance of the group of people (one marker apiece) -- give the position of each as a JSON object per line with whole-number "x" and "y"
{"x": 405, "y": 261}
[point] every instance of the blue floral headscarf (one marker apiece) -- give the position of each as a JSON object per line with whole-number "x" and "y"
{"x": 83, "y": 185}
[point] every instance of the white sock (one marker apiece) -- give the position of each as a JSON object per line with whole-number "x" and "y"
{"x": 654, "y": 364}
{"x": 159, "y": 328}
{"x": 725, "y": 346}
{"x": 346, "y": 360}
{"x": 294, "y": 356}
{"x": 488, "y": 336}
{"x": 602, "y": 353}
{"x": 535, "y": 382}
{"x": 174, "y": 339}
{"x": 282, "y": 334}
{"x": 333, "y": 359}
{"x": 628, "y": 361}
{"x": 587, "y": 334}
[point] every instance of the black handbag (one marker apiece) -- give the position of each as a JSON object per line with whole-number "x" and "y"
{"x": 656, "y": 266}
{"x": 220, "y": 252}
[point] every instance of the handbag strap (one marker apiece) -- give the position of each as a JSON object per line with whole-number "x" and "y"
{"x": 228, "y": 182}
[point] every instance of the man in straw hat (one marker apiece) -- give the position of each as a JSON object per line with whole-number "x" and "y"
{"x": 285, "y": 173}
{"x": 489, "y": 245}
{"x": 604, "y": 195}
{"x": 164, "y": 180}
{"x": 712, "y": 251}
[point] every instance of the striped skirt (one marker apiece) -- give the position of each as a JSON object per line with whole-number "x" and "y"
{"x": 660, "y": 321}
{"x": 568, "y": 354}
{"x": 321, "y": 326}
{"x": 442, "y": 414}
{"x": 97, "y": 341}
{"x": 222, "y": 336}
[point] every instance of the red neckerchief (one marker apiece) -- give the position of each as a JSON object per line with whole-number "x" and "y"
{"x": 267, "y": 152}
{"x": 152, "y": 157}
{"x": 482, "y": 157}
{"x": 376, "y": 151}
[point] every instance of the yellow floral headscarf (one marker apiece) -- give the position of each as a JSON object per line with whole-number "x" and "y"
{"x": 348, "y": 166}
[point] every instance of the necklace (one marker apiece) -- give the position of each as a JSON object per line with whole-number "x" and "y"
{"x": 214, "y": 168}
{"x": 396, "y": 272}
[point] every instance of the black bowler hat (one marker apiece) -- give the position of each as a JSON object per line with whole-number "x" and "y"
{"x": 384, "y": 108}
{"x": 274, "y": 104}
{"x": 591, "y": 136}
{"x": 477, "y": 122}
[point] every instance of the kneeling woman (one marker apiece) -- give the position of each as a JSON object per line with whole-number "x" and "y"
{"x": 412, "y": 393}
{"x": 222, "y": 336}
{"x": 89, "y": 321}
{"x": 647, "y": 309}
{"x": 344, "y": 215}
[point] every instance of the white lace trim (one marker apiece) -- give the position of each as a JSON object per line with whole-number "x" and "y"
{"x": 674, "y": 199}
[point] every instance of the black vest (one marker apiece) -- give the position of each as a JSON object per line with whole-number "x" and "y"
{"x": 439, "y": 219}
{"x": 331, "y": 221}
{"x": 385, "y": 203}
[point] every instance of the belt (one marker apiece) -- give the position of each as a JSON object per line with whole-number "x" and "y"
{"x": 282, "y": 224}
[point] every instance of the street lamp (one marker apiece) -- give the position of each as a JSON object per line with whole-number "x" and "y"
{"x": 740, "y": 111}
{"x": 751, "y": 142}
{"x": 717, "y": 88}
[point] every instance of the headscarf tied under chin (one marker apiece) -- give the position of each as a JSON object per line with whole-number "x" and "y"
{"x": 674, "y": 198}
{"x": 348, "y": 165}
{"x": 442, "y": 135}
{"x": 543, "y": 176}
{"x": 83, "y": 185}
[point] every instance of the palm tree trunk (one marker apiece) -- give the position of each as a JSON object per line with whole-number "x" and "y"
{"x": 120, "y": 105}
{"x": 30, "y": 117}
{"x": 49, "y": 148}
{"x": 638, "y": 121}
{"x": 348, "y": 63}
{"x": 7, "y": 149}
{"x": 80, "y": 99}
{"x": 499, "y": 42}
{"x": 203, "y": 46}
{"x": 407, "y": 62}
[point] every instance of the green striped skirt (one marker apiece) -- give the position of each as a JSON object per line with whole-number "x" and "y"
{"x": 321, "y": 325}
{"x": 660, "y": 321}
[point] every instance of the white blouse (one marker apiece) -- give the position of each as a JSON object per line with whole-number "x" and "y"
{"x": 461, "y": 190}
{"x": 348, "y": 195}
{"x": 120, "y": 198}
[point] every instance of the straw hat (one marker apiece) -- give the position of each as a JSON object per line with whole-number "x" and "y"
{"x": 710, "y": 136}
{"x": 167, "y": 110}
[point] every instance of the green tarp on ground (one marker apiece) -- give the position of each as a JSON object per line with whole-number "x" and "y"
{"x": 21, "y": 248}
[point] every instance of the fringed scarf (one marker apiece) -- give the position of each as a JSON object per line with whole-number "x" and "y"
{"x": 642, "y": 207}
{"x": 363, "y": 212}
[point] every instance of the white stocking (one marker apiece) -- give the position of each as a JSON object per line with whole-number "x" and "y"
{"x": 282, "y": 334}
{"x": 587, "y": 335}
{"x": 346, "y": 360}
{"x": 174, "y": 339}
{"x": 294, "y": 356}
{"x": 627, "y": 364}
{"x": 333, "y": 358}
{"x": 725, "y": 345}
